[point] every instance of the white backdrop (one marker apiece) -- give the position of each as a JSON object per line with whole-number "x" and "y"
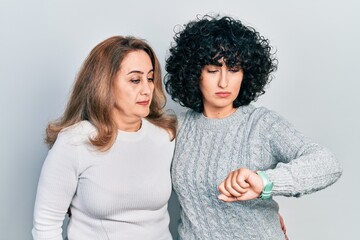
{"x": 43, "y": 44}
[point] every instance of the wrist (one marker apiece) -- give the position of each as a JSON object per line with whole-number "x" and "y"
{"x": 267, "y": 185}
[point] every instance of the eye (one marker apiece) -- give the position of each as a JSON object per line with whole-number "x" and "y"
{"x": 135, "y": 81}
{"x": 151, "y": 79}
{"x": 234, "y": 69}
{"x": 212, "y": 69}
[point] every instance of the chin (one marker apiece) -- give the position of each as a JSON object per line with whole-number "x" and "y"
{"x": 223, "y": 106}
{"x": 144, "y": 114}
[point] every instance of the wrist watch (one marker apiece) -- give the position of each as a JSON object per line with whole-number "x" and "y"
{"x": 268, "y": 185}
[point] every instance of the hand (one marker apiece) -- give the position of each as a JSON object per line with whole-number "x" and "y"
{"x": 283, "y": 228}
{"x": 240, "y": 185}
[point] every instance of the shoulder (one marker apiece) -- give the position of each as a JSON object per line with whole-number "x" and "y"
{"x": 181, "y": 117}
{"x": 263, "y": 118}
{"x": 187, "y": 115}
{"x": 78, "y": 133}
{"x": 155, "y": 131}
{"x": 264, "y": 115}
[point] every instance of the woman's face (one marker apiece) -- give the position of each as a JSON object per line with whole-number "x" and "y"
{"x": 220, "y": 86}
{"x": 133, "y": 87}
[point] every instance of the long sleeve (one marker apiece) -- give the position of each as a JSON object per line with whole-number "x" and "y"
{"x": 208, "y": 149}
{"x": 303, "y": 166}
{"x": 56, "y": 188}
{"x": 107, "y": 196}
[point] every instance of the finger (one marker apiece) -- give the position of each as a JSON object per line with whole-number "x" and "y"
{"x": 229, "y": 185}
{"x": 249, "y": 195}
{"x": 225, "y": 198}
{"x": 235, "y": 182}
{"x": 243, "y": 177}
{"x": 223, "y": 190}
{"x": 242, "y": 182}
{"x": 282, "y": 224}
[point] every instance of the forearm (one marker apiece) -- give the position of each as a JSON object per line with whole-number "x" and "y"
{"x": 306, "y": 174}
{"x": 56, "y": 188}
{"x": 42, "y": 232}
{"x": 49, "y": 212}
{"x": 302, "y": 166}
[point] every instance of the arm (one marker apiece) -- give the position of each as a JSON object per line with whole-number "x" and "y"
{"x": 56, "y": 188}
{"x": 302, "y": 166}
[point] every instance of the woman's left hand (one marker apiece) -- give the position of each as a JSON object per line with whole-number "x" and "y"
{"x": 240, "y": 185}
{"x": 283, "y": 228}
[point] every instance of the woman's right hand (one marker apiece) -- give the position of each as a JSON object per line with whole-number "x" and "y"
{"x": 240, "y": 185}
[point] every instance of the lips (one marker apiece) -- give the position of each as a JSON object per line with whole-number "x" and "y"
{"x": 223, "y": 94}
{"x": 143, "y": 103}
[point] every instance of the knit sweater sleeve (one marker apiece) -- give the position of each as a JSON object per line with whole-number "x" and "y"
{"x": 57, "y": 185}
{"x": 302, "y": 166}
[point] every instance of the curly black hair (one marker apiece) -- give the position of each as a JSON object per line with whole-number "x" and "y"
{"x": 205, "y": 41}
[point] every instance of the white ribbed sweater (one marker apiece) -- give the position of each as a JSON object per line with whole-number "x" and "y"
{"x": 118, "y": 194}
{"x": 207, "y": 150}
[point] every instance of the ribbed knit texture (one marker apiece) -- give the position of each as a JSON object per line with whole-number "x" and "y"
{"x": 207, "y": 150}
{"x": 118, "y": 194}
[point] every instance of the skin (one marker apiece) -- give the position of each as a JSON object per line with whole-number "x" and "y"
{"x": 219, "y": 86}
{"x": 133, "y": 91}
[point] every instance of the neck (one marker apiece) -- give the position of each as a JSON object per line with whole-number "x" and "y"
{"x": 218, "y": 112}
{"x": 128, "y": 125}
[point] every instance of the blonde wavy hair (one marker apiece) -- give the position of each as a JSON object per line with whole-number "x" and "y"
{"x": 92, "y": 95}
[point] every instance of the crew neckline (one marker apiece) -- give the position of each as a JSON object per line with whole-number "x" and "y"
{"x": 221, "y": 123}
{"x": 133, "y": 136}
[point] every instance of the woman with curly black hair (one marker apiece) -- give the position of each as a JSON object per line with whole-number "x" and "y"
{"x": 231, "y": 157}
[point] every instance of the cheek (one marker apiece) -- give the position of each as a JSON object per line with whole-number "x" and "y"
{"x": 238, "y": 85}
{"x": 125, "y": 96}
{"x": 152, "y": 88}
{"x": 152, "y": 92}
{"x": 237, "y": 82}
{"x": 202, "y": 90}
{"x": 204, "y": 85}
{"x": 119, "y": 94}
{"x": 119, "y": 89}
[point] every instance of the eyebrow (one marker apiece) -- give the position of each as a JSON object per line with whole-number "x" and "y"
{"x": 140, "y": 72}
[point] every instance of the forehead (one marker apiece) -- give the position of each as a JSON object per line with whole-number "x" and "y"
{"x": 136, "y": 60}
{"x": 227, "y": 56}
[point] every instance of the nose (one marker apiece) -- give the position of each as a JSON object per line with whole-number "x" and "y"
{"x": 223, "y": 81}
{"x": 146, "y": 88}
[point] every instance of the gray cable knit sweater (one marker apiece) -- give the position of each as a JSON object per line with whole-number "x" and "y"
{"x": 255, "y": 138}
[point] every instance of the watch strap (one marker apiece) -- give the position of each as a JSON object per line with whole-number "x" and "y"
{"x": 268, "y": 185}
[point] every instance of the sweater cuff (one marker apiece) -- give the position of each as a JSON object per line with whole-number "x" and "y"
{"x": 282, "y": 180}
{"x": 39, "y": 235}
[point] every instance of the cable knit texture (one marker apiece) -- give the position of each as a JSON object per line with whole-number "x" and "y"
{"x": 255, "y": 138}
{"x": 118, "y": 194}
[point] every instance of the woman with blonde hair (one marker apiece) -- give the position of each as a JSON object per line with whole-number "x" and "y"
{"x": 110, "y": 156}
